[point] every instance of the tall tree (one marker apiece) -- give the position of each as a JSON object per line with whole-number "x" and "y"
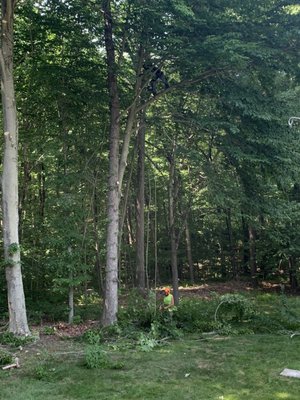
{"x": 15, "y": 293}
{"x": 111, "y": 281}
{"x": 140, "y": 207}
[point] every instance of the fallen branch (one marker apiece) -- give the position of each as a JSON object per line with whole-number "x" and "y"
{"x": 10, "y": 366}
{"x": 295, "y": 334}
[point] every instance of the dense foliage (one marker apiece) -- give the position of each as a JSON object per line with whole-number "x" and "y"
{"x": 220, "y": 126}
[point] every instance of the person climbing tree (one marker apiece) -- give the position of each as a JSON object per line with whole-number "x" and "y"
{"x": 157, "y": 75}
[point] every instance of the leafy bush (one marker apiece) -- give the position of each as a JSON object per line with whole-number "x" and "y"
{"x": 195, "y": 315}
{"x": 96, "y": 357}
{"x": 8, "y": 338}
{"x": 5, "y": 357}
{"x": 139, "y": 311}
{"x": 48, "y": 330}
{"x": 93, "y": 337}
{"x": 40, "y": 372}
{"x": 233, "y": 307}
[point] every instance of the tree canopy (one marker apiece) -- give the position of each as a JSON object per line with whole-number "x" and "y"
{"x": 221, "y": 165}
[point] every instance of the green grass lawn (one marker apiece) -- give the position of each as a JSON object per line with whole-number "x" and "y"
{"x": 229, "y": 368}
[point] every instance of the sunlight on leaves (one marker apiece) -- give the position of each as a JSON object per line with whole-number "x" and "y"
{"x": 282, "y": 395}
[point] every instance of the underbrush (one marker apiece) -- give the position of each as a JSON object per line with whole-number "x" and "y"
{"x": 9, "y": 339}
{"x": 145, "y": 326}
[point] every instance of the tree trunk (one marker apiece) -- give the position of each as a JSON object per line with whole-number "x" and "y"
{"x": 246, "y": 255}
{"x": 293, "y": 274}
{"x": 71, "y": 296}
{"x": 140, "y": 208}
{"x": 156, "y": 270}
{"x": 131, "y": 118}
{"x": 231, "y": 244}
{"x": 172, "y": 228}
{"x": 110, "y": 309}
{"x": 252, "y": 256}
{"x": 189, "y": 252}
{"x": 16, "y": 299}
{"x": 98, "y": 268}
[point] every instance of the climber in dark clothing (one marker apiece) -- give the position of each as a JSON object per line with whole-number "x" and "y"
{"x": 157, "y": 75}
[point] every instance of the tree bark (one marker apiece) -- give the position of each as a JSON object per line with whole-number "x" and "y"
{"x": 189, "y": 252}
{"x": 16, "y": 299}
{"x": 110, "y": 309}
{"x": 231, "y": 244}
{"x": 71, "y": 299}
{"x": 131, "y": 118}
{"x": 293, "y": 274}
{"x": 252, "y": 255}
{"x": 140, "y": 208}
{"x": 172, "y": 197}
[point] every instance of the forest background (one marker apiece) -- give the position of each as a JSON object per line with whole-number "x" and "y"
{"x": 201, "y": 176}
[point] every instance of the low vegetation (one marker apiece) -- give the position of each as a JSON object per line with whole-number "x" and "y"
{"x": 230, "y": 347}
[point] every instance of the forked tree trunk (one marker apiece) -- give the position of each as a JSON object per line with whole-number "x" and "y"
{"x": 110, "y": 309}
{"x": 116, "y": 166}
{"x": 15, "y": 292}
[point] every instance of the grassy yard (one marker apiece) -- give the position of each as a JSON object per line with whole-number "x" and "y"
{"x": 195, "y": 367}
{"x": 242, "y": 361}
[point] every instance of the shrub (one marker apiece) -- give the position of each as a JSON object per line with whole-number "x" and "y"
{"x": 139, "y": 310}
{"x": 40, "y": 372}
{"x": 233, "y": 307}
{"x": 8, "y": 338}
{"x": 5, "y": 357}
{"x": 93, "y": 337}
{"x": 195, "y": 315}
{"x": 95, "y": 357}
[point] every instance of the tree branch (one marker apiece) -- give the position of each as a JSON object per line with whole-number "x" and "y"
{"x": 204, "y": 75}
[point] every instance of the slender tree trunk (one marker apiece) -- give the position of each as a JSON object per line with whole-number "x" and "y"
{"x": 156, "y": 272}
{"x": 123, "y": 214}
{"x": 222, "y": 259}
{"x": 110, "y": 309}
{"x": 16, "y": 300}
{"x": 293, "y": 274}
{"x": 172, "y": 228}
{"x": 252, "y": 255}
{"x": 246, "y": 244}
{"x": 231, "y": 244}
{"x": 140, "y": 208}
{"x": 71, "y": 297}
{"x": 189, "y": 251}
{"x": 98, "y": 268}
{"x": 131, "y": 118}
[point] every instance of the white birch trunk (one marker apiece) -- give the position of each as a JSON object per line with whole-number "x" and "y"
{"x": 16, "y": 300}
